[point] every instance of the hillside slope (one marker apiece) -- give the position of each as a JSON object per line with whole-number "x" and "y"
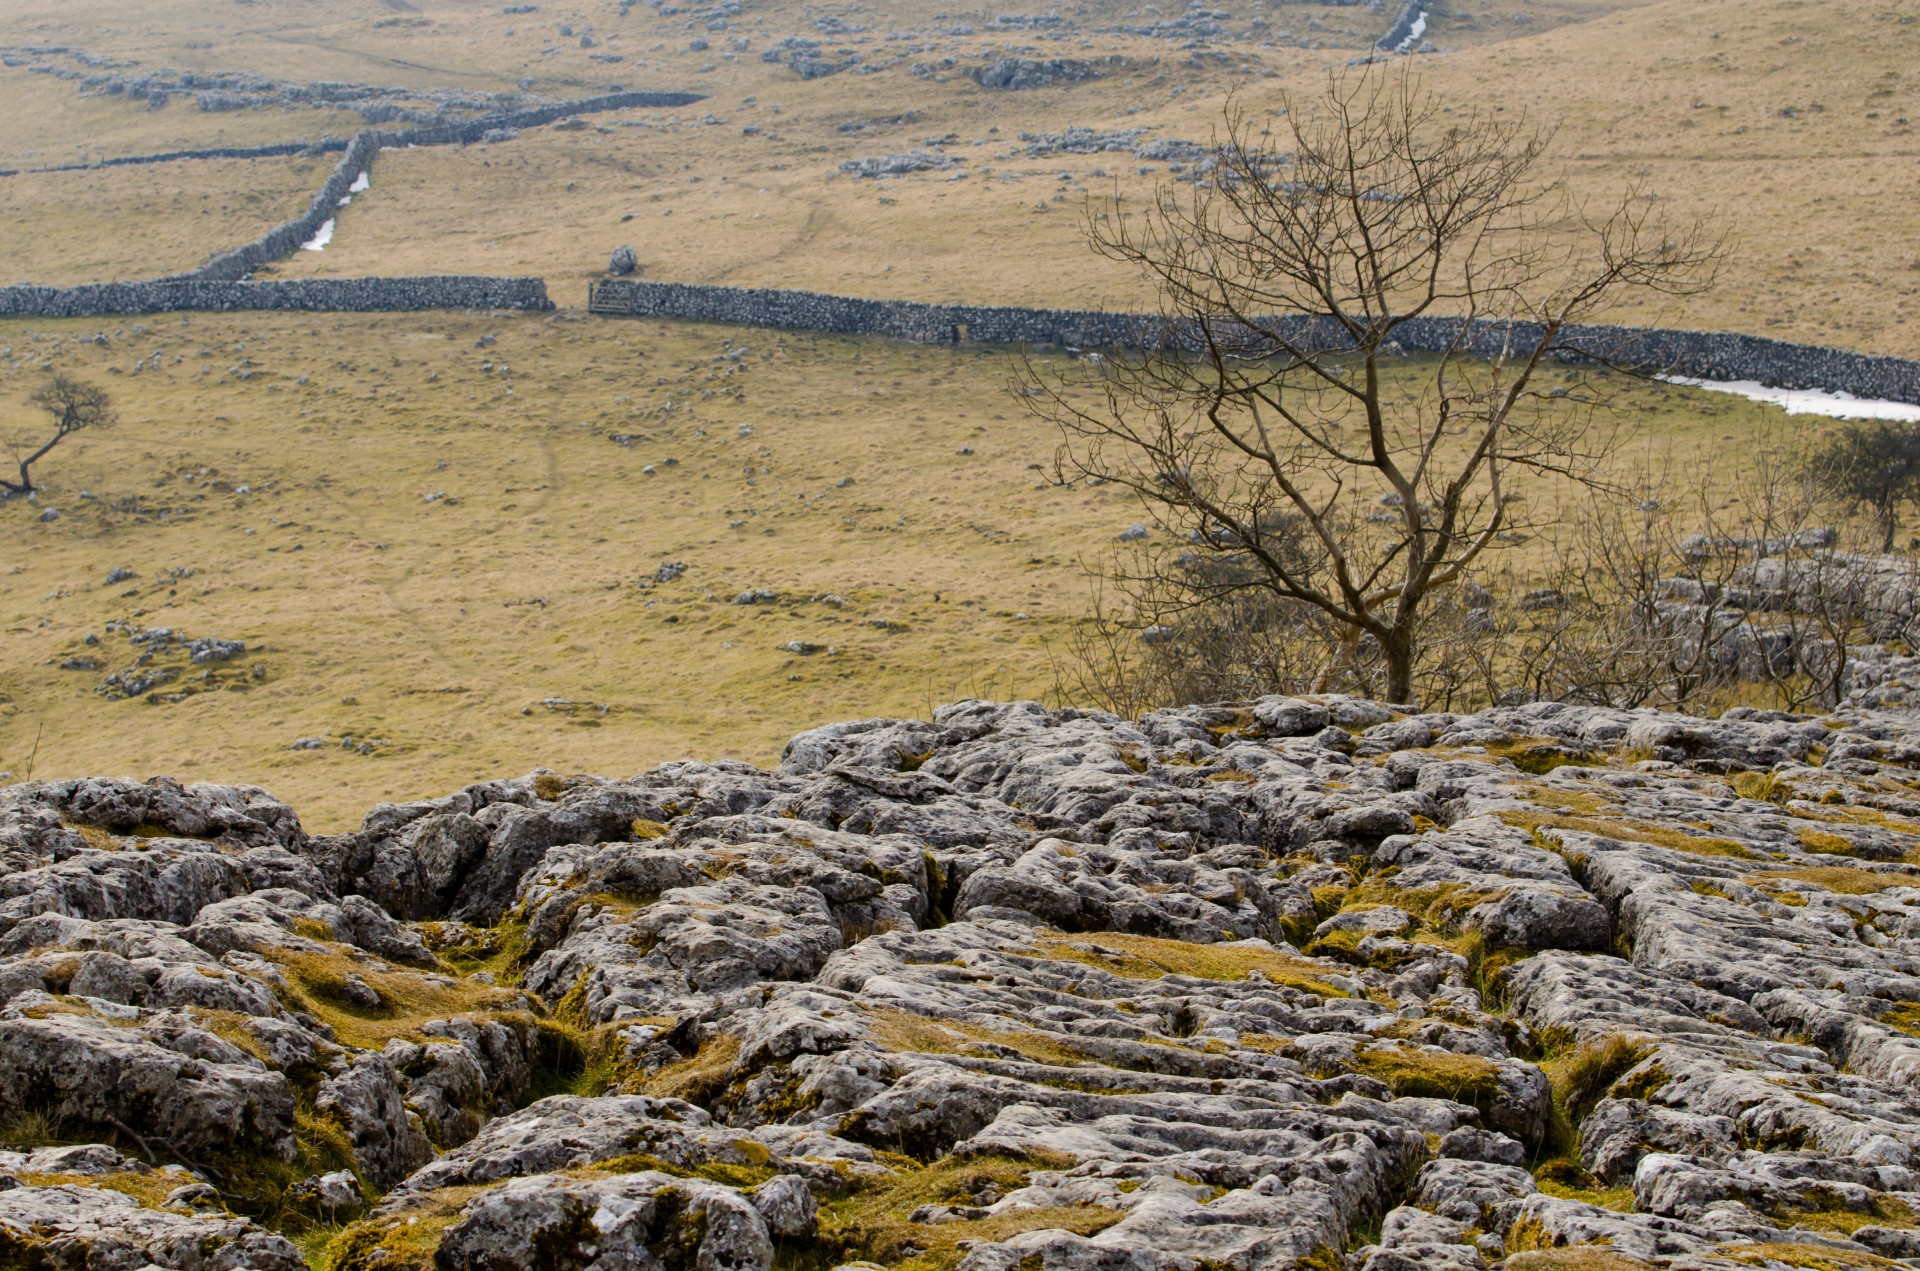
{"x": 1787, "y": 121}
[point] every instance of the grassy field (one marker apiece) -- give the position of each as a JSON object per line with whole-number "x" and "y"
{"x": 433, "y": 543}
{"x": 1788, "y": 122}
{"x": 119, "y": 223}
{"x": 438, "y": 547}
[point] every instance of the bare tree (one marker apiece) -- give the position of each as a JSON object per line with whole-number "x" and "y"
{"x": 1272, "y": 420}
{"x": 75, "y": 406}
{"x": 1873, "y": 463}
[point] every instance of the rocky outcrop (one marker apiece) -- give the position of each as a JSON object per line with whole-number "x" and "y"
{"x": 1019, "y": 73}
{"x": 1283, "y": 983}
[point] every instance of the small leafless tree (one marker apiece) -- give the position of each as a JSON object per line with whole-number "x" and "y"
{"x": 74, "y": 406}
{"x": 1295, "y": 448}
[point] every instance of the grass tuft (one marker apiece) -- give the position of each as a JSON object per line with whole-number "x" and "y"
{"x": 402, "y": 1242}
{"x": 1764, "y": 787}
{"x": 1628, "y": 830}
{"x": 1151, "y": 958}
{"x": 1845, "y": 879}
{"x": 1588, "y": 1075}
{"x": 899, "y": 1030}
{"x": 700, "y": 1078}
{"x": 1575, "y": 1258}
{"x": 408, "y": 999}
{"x": 869, "y": 1221}
{"x": 1808, "y": 1257}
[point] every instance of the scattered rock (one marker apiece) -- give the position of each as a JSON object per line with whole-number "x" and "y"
{"x": 1019, "y": 73}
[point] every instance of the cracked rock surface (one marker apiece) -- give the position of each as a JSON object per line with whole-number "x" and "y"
{"x": 1291, "y": 983}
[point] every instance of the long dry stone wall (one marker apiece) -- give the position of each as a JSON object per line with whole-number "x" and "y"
{"x": 283, "y": 239}
{"x": 1703, "y": 354}
{"x": 325, "y": 145}
{"x": 344, "y": 295}
{"x": 220, "y": 282}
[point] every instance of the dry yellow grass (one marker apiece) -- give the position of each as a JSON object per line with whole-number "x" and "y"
{"x": 1628, "y": 830}
{"x": 1845, "y": 879}
{"x": 899, "y": 1030}
{"x": 458, "y": 631}
{"x": 1150, "y": 958}
{"x": 1785, "y": 120}
{"x": 120, "y": 223}
{"x": 49, "y": 123}
{"x": 484, "y": 633}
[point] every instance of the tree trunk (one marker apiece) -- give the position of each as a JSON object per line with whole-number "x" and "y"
{"x": 1890, "y": 522}
{"x": 1397, "y": 648}
{"x": 26, "y": 481}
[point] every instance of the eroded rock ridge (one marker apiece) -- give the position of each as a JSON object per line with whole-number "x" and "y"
{"x": 1296, "y": 982}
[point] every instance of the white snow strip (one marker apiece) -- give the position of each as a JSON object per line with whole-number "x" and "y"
{"x": 1808, "y": 401}
{"x": 320, "y": 240}
{"x": 360, "y": 183}
{"x": 1414, "y": 32}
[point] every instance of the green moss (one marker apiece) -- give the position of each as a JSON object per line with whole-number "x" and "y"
{"x": 1323, "y": 1258}
{"x": 1528, "y": 1234}
{"x": 150, "y": 1187}
{"x": 1420, "y": 1073}
{"x": 1564, "y": 1177}
{"x": 676, "y": 1233}
{"x": 408, "y": 999}
{"x": 1643, "y": 1084}
{"x": 1537, "y": 755}
{"x": 867, "y": 1221}
{"x": 1831, "y": 1213}
{"x": 403, "y": 1242}
{"x": 1904, "y": 1016}
{"x": 500, "y": 950}
{"x": 747, "y": 1174}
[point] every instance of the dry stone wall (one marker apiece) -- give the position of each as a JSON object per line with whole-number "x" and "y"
{"x": 323, "y": 146}
{"x": 1709, "y": 355}
{"x": 342, "y": 295}
{"x": 285, "y": 238}
{"x": 221, "y": 282}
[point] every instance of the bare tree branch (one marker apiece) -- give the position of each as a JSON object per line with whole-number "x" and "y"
{"x": 1272, "y": 420}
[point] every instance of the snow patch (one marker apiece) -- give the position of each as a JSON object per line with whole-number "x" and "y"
{"x": 320, "y": 239}
{"x": 360, "y": 183}
{"x": 1414, "y": 32}
{"x": 1807, "y": 401}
